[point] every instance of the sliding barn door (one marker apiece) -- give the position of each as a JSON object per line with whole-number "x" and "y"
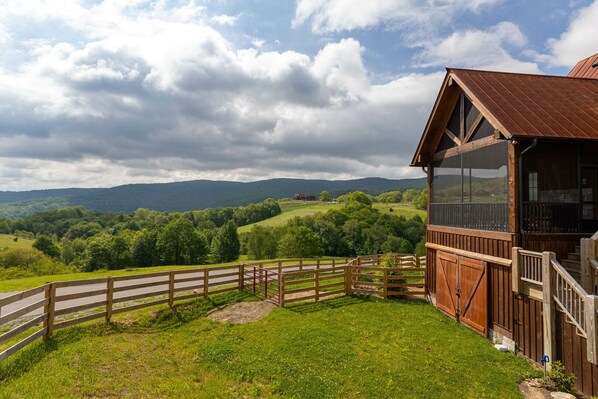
{"x": 473, "y": 302}
{"x": 446, "y": 283}
{"x": 462, "y": 290}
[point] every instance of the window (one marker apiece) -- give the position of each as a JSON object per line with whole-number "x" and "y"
{"x": 532, "y": 179}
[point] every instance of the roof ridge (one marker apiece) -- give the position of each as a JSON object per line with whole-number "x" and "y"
{"x": 521, "y": 74}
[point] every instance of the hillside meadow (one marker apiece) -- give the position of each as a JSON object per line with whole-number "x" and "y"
{"x": 291, "y": 209}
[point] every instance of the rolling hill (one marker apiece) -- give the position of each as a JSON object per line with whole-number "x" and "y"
{"x": 188, "y": 195}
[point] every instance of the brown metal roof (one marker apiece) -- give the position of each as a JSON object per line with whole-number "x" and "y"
{"x": 584, "y": 68}
{"x": 524, "y": 105}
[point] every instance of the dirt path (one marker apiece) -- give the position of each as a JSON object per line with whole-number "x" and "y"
{"x": 242, "y": 312}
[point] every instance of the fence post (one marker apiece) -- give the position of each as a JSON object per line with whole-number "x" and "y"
{"x": 170, "y": 289}
{"x": 49, "y": 309}
{"x": 590, "y": 303}
{"x": 266, "y": 285}
{"x": 385, "y": 284}
{"x": 300, "y": 264}
{"x": 548, "y": 305}
{"x": 318, "y": 264}
{"x": 241, "y": 277}
{"x": 109, "y": 298}
{"x": 281, "y": 290}
{"x": 417, "y": 264}
{"x": 587, "y": 252}
{"x": 515, "y": 271}
{"x": 317, "y": 284}
{"x": 279, "y": 267}
{"x": 206, "y": 282}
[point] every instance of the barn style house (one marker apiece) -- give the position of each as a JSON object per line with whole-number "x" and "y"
{"x": 512, "y": 166}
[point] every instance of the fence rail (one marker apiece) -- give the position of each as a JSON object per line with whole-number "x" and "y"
{"x": 53, "y": 306}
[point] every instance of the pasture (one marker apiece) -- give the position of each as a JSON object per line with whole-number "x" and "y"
{"x": 346, "y": 347}
{"x": 291, "y": 209}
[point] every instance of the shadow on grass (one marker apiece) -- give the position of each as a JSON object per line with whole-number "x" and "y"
{"x": 143, "y": 322}
{"x": 332, "y": 303}
{"x": 26, "y": 358}
{"x": 348, "y": 300}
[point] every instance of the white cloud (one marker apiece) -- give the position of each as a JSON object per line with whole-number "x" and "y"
{"x": 342, "y": 15}
{"x": 229, "y": 20}
{"x": 483, "y": 49}
{"x": 577, "y": 42}
{"x": 160, "y": 95}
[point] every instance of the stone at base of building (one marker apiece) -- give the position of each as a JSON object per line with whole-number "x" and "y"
{"x": 498, "y": 338}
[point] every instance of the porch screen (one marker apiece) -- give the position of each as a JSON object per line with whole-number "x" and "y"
{"x": 470, "y": 190}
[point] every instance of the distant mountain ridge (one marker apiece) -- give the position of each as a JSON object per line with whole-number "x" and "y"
{"x": 187, "y": 195}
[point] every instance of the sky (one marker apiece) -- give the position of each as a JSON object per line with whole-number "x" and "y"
{"x": 103, "y": 93}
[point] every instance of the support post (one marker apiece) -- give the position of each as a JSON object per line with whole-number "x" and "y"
{"x": 587, "y": 252}
{"x": 279, "y": 267}
{"x": 347, "y": 279}
{"x": 241, "y": 277}
{"x": 590, "y": 302}
{"x": 300, "y": 264}
{"x": 206, "y": 282}
{"x": 385, "y": 284}
{"x": 170, "y": 289}
{"x": 317, "y": 284}
{"x": 49, "y": 309}
{"x": 109, "y": 298}
{"x": 515, "y": 271}
{"x": 281, "y": 290}
{"x": 548, "y": 305}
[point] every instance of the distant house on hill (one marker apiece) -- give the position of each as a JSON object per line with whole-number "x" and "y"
{"x": 512, "y": 161}
{"x": 305, "y": 197}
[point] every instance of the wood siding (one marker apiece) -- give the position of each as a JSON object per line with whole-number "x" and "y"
{"x": 501, "y": 299}
{"x": 571, "y": 350}
{"x": 560, "y": 244}
{"x": 528, "y": 327}
{"x": 478, "y": 241}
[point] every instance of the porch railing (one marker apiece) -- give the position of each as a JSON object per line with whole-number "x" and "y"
{"x": 550, "y": 217}
{"x": 473, "y": 215}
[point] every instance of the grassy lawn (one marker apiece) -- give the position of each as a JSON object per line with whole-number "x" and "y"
{"x": 31, "y": 282}
{"x": 7, "y": 241}
{"x": 347, "y": 347}
{"x": 292, "y": 209}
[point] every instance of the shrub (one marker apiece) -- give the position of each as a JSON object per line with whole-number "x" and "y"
{"x": 562, "y": 380}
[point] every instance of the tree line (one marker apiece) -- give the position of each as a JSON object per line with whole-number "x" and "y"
{"x": 76, "y": 239}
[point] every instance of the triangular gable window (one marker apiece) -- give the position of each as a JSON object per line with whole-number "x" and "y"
{"x": 483, "y": 129}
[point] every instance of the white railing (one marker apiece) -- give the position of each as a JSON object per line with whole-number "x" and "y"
{"x": 589, "y": 263}
{"x": 570, "y": 296}
{"x": 530, "y": 264}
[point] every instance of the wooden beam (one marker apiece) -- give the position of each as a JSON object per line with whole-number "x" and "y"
{"x": 471, "y": 146}
{"x": 469, "y": 254}
{"x": 452, "y": 136}
{"x": 493, "y": 235}
{"x": 462, "y": 118}
{"x": 473, "y": 127}
{"x": 548, "y": 306}
{"x": 513, "y": 187}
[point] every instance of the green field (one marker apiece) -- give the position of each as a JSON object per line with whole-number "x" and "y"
{"x": 291, "y": 209}
{"x": 347, "y": 347}
{"x": 7, "y": 241}
{"x": 31, "y": 282}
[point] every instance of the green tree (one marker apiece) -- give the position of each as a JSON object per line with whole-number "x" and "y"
{"x": 47, "y": 246}
{"x": 225, "y": 244}
{"x": 261, "y": 243}
{"x": 98, "y": 253}
{"x": 144, "y": 251}
{"x": 358, "y": 199}
{"x": 180, "y": 244}
{"x": 324, "y": 196}
{"x": 300, "y": 242}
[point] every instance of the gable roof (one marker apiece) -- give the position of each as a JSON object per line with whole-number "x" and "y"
{"x": 519, "y": 105}
{"x": 585, "y": 68}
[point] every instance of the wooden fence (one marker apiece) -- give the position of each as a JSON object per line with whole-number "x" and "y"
{"x": 363, "y": 275}
{"x": 53, "y": 306}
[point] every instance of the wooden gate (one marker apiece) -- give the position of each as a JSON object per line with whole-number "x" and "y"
{"x": 461, "y": 290}
{"x": 446, "y": 283}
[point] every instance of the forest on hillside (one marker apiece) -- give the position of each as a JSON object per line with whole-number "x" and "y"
{"x": 76, "y": 239}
